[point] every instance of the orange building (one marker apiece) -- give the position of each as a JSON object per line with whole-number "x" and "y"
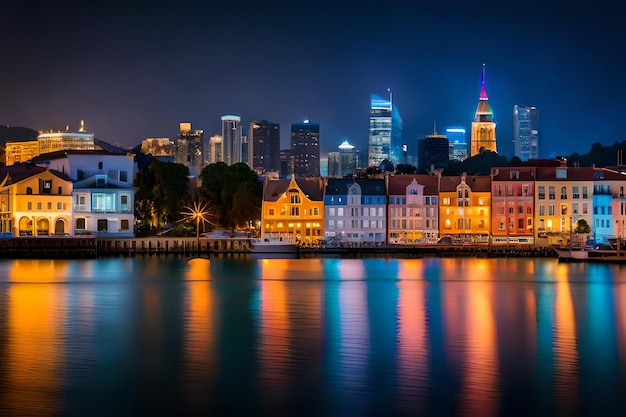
{"x": 293, "y": 209}
{"x": 465, "y": 208}
{"x": 512, "y": 205}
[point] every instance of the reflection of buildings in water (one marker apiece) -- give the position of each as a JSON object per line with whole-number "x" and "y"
{"x": 565, "y": 349}
{"x": 413, "y": 343}
{"x": 199, "y": 336}
{"x": 470, "y": 327}
{"x": 36, "y": 330}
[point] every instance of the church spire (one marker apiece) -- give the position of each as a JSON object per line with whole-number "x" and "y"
{"x": 483, "y": 91}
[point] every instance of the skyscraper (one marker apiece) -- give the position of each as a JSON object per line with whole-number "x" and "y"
{"x": 525, "y": 132}
{"x": 483, "y": 126}
{"x": 343, "y": 162}
{"x": 385, "y": 131}
{"x": 231, "y": 139}
{"x": 265, "y": 142}
{"x": 433, "y": 152}
{"x": 305, "y": 149}
{"x": 457, "y": 143}
{"x": 189, "y": 149}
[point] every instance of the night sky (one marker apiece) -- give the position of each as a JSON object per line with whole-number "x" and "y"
{"x": 133, "y": 69}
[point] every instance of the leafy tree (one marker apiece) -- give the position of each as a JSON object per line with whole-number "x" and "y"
{"x": 582, "y": 226}
{"x": 162, "y": 191}
{"x": 235, "y": 192}
{"x": 386, "y": 166}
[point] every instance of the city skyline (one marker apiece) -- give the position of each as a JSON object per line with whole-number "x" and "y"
{"x": 137, "y": 70}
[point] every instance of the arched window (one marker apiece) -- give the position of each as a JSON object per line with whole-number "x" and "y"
{"x": 29, "y": 190}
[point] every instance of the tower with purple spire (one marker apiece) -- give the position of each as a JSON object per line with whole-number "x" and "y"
{"x": 483, "y": 127}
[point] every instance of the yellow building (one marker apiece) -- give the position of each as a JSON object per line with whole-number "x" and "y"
{"x": 34, "y": 201}
{"x": 293, "y": 209}
{"x": 16, "y": 152}
{"x": 465, "y": 208}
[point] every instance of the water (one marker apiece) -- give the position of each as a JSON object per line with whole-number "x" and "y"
{"x": 312, "y": 337}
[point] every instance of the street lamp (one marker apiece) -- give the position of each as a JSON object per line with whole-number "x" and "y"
{"x": 199, "y": 211}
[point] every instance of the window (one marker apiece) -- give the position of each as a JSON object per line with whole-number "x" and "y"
{"x": 551, "y": 210}
{"x": 294, "y": 211}
{"x": 124, "y": 224}
{"x": 124, "y": 198}
{"x": 47, "y": 187}
{"x": 551, "y": 193}
{"x": 520, "y": 224}
{"x": 80, "y": 224}
{"x": 59, "y": 206}
{"x": 49, "y": 205}
{"x": 101, "y": 181}
{"x": 60, "y": 190}
{"x": 585, "y": 192}
{"x": 575, "y": 208}
{"x": 80, "y": 175}
{"x": 99, "y": 165}
{"x": 29, "y": 205}
{"x": 103, "y": 202}
{"x": 445, "y": 201}
{"x": 563, "y": 209}
{"x": 542, "y": 210}
{"x": 39, "y": 205}
{"x": 542, "y": 192}
{"x": 29, "y": 190}
{"x": 575, "y": 192}
{"x": 316, "y": 211}
{"x": 123, "y": 176}
{"x": 585, "y": 208}
{"x": 563, "y": 193}
{"x": 102, "y": 225}
{"x": 294, "y": 198}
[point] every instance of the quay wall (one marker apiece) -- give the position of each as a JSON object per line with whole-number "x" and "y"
{"x": 92, "y": 247}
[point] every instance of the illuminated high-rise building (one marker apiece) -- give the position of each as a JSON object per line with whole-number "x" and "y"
{"x": 525, "y": 132}
{"x": 344, "y": 162}
{"x": 231, "y": 139}
{"x": 457, "y": 143}
{"x": 483, "y": 126}
{"x": 385, "y": 131}
{"x": 265, "y": 143}
{"x": 305, "y": 149}
{"x": 432, "y": 152}
{"x": 189, "y": 148}
{"x": 214, "y": 151}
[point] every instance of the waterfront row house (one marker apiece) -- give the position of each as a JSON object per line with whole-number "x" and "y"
{"x": 355, "y": 211}
{"x": 34, "y": 201}
{"x": 292, "y": 209}
{"x": 103, "y": 193}
{"x": 535, "y": 205}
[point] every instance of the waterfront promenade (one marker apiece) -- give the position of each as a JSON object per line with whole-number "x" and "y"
{"x": 92, "y": 247}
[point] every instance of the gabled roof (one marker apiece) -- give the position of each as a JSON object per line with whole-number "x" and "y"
{"x": 274, "y": 189}
{"x": 573, "y": 173}
{"x": 19, "y": 172}
{"x": 477, "y": 183}
{"x": 340, "y": 186}
{"x": 398, "y": 183}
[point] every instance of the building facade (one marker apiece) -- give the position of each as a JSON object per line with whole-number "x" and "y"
{"x": 457, "y": 143}
{"x": 413, "y": 209}
{"x": 35, "y": 201}
{"x": 483, "y": 126}
{"x": 231, "y": 139}
{"x": 343, "y": 162}
{"x": 189, "y": 148}
{"x": 433, "y": 152}
{"x": 525, "y": 132}
{"x": 465, "y": 208}
{"x": 292, "y": 209}
{"x": 513, "y": 205}
{"x": 265, "y": 142}
{"x": 385, "y": 131}
{"x": 305, "y": 148}
{"x": 355, "y": 211}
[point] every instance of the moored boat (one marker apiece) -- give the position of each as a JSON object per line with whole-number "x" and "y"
{"x": 273, "y": 245}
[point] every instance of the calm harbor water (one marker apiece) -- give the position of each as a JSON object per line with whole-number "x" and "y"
{"x": 315, "y": 337}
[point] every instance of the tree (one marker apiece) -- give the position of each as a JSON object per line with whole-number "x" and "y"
{"x": 582, "y": 226}
{"x": 162, "y": 191}
{"x": 235, "y": 192}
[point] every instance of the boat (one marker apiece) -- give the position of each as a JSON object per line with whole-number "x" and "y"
{"x": 572, "y": 254}
{"x": 273, "y": 245}
{"x": 598, "y": 254}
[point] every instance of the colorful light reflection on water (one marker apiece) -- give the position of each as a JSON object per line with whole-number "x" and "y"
{"x": 454, "y": 336}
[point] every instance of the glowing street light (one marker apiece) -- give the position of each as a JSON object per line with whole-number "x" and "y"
{"x": 200, "y": 211}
